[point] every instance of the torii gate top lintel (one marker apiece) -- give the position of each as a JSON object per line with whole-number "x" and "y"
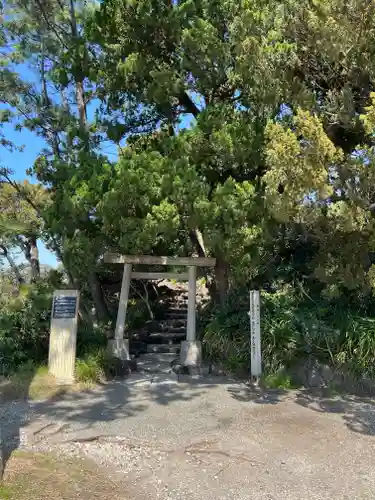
{"x": 128, "y": 260}
{"x": 113, "y": 258}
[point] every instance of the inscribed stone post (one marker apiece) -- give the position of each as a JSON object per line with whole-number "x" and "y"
{"x": 63, "y": 336}
{"x": 256, "y": 355}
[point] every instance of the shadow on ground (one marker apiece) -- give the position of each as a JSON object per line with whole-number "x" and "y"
{"x": 14, "y": 391}
{"x": 122, "y": 399}
{"x": 11, "y": 418}
{"x": 9, "y": 437}
{"x": 357, "y": 413}
{"x": 88, "y": 409}
{"x": 250, "y": 394}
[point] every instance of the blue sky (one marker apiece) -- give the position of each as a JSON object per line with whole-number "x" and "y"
{"x": 19, "y": 162}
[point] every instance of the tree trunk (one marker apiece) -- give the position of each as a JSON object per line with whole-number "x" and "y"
{"x": 218, "y": 284}
{"x": 145, "y": 298}
{"x": 13, "y": 265}
{"x": 34, "y": 260}
{"x": 196, "y": 238}
{"x": 79, "y": 78}
{"x": 53, "y": 136}
{"x": 97, "y": 296}
{"x": 80, "y": 96}
{"x": 221, "y": 284}
{"x": 83, "y": 310}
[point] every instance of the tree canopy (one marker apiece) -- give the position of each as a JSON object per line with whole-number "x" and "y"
{"x": 240, "y": 130}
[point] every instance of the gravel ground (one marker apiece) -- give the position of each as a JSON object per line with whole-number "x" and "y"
{"x": 210, "y": 438}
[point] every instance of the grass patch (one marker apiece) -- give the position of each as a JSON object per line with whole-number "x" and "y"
{"x": 39, "y": 476}
{"x": 89, "y": 369}
{"x": 29, "y": 381}
{"x": 5, "y": 493}
{"x": 35, "y": 382}
{"x": 278, "y": 380}
{"x": 97, "y": 366}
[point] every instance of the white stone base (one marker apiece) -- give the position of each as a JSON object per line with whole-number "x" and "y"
{"x": 119, "y": 348}
{"x": 191, "y": 353}
{"x": 64, "y": 381}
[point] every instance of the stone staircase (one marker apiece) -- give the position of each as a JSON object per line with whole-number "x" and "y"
{"x": 170, "y": 331}
{"x": 159, "y": 348}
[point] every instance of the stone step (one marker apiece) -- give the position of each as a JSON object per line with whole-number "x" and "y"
{"x": 177, "y": 316}
{"x": 174, "y": 322}
{"x": 173, "y": 310}
{"x": 137, "y": 347}
{"x": 170, "y": 329}
{"x": 174, "y": 327}
{"x": 163, "y": 348}
{"x": 164, "y": 323}
{"x": 166, "y": 337}
{"x": 156, "y": 362}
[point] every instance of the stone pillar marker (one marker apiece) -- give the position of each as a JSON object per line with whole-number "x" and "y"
{"x": 191, "y": 315}
{"x": 119, "y": 347}
{"x": 191, "y": 350}
{"x": 255, "y": 340}
{"x": 63, "y": 335}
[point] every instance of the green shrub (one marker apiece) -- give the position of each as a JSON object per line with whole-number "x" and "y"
{"x": 24, "y": 328}
{"x": 226, "y": 334}
{"x": 137, "y": 314}
{"x": 90, "y": 368}
{"x": 90, "y": 339}
{"x": 97, "y": 365}
{"x": 224, "y": 331}
{"x": 294, "y": 327}
{"x": 278, "y": 380}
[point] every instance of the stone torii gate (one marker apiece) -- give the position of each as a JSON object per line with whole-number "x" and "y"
{"x": 190, "y": 348}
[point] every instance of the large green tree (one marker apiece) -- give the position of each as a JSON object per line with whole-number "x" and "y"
{"x": 274, "y": 93}
{"x": 48, "y": 37}
{"x": 244, "y": 131}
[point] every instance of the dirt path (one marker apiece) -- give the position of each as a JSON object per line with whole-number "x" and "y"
{"x": 214, "y": 438}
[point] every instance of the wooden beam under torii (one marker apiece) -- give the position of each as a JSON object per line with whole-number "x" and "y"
{"x": 190, "y": 351}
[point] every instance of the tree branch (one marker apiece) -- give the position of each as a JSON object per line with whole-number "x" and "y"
{"x": 51, "y": 26}
{"x": 12, "y": 265}
{"x": 23, "y": 248}
{"x": 145, "y": 298}
{"x": 188, "y": 104}
{"x": 47, "y": 102}
{"x": 4, "y": 173}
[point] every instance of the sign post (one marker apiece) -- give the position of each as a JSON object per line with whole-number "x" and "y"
{"x": 255, "y": 345}
{"x": 63, "y": 335}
